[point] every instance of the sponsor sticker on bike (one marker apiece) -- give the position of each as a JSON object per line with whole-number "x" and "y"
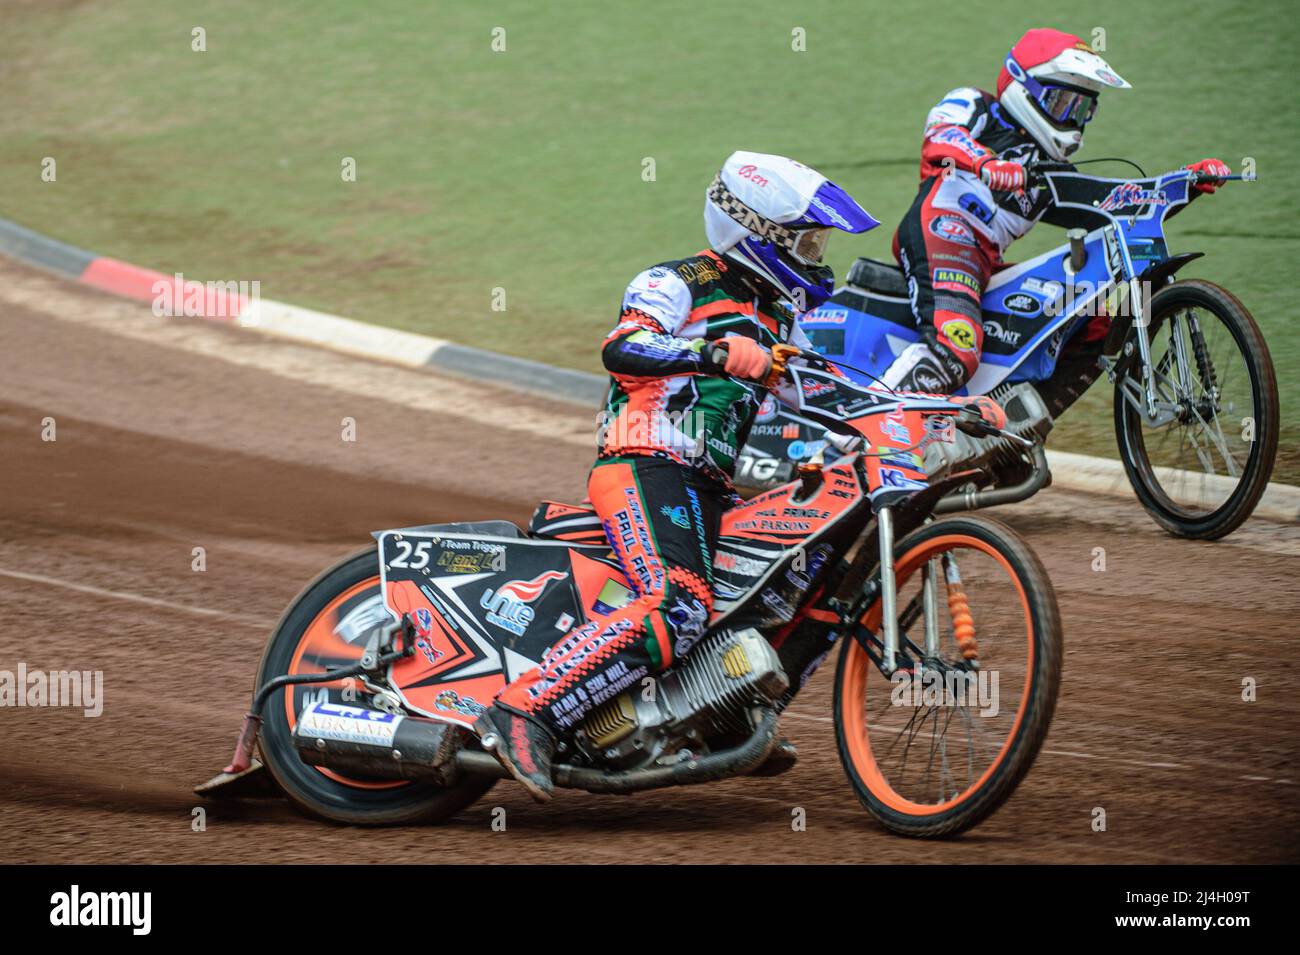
{"x": 826, "y": 316}
{"x": 508, "y": 605}
{"x": 349, "y": 724}
{"x": 1131, "y": 195}
{"x": 1022, "y": 303}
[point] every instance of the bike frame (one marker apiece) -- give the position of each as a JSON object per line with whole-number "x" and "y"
{"x": 524, "y": 584}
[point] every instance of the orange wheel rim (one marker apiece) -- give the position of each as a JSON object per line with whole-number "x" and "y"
{"x": 320, "y": 641}
{"x": 858, "y": 667}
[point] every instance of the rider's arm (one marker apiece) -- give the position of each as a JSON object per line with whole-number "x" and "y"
{"x": 644, "y": 343}
{"x": 951, "y": 131}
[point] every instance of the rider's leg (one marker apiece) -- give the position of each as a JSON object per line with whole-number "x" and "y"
{"x": 947, "y": 269}
{"x": 662, "y": 519}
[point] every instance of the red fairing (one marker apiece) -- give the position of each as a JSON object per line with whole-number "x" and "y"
{"x": 948, "y": 146}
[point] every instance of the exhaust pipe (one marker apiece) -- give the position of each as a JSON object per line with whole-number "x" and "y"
{"x": 1039, "y": 477}
{"x": 371, "y": 744}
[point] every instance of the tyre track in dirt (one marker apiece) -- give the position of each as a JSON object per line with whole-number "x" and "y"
{"x": 174, "y": 434}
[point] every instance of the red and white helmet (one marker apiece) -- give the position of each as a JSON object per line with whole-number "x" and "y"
{"x": 1049, "y": 84}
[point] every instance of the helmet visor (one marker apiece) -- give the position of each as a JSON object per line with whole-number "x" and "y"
{"x": 1068, "y": 107}
{"x": 810, "y": 245}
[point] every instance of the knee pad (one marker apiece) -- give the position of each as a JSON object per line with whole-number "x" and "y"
{"x": 927, "y": 366}
{"x": 961, "y": 338}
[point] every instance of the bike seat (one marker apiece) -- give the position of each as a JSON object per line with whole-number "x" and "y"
{"x": 575, "y": 523}
{"x": 883, "y": 278}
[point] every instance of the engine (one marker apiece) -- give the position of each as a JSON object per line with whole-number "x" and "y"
{"x": 1027, "y": 417}
{"x": 707, "y": 697}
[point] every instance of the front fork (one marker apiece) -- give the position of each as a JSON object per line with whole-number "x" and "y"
{"x": 1145, "y": 397}
{"x": 1141, "y": 327}
{"x": 939, "y": 571}
{"x": 888, "y": 591}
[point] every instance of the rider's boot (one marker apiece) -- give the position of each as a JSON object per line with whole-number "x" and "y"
{"x": 520, "y": 744}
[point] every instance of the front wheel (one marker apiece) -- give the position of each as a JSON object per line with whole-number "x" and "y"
{"x": 1201, "y": 467}
{"x": 938, "y": 747}
{"x": 325, "y": 628}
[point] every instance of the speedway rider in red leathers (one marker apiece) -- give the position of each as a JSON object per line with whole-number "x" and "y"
{"x": 974, "y": 201}
{"x": 674, "y": 425}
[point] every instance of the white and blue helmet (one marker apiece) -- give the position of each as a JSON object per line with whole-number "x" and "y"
{"x": 773, "y": 216}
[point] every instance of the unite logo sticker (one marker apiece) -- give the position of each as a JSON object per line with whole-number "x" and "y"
{"x": 76, "y": 908}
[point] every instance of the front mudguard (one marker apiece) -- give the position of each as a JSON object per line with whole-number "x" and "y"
{"x": 1162, "y": 273}
{"x": 1154, "y": 277}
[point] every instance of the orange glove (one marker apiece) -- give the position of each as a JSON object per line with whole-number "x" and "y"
{"x": 746, "y": 358}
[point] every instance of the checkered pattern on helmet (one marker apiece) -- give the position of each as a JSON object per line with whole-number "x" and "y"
{"x": 755, "y": 222}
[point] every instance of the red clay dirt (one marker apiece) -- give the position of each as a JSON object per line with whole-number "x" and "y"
{"x": 160, "y": 450}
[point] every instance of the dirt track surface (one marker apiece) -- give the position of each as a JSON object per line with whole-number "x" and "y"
{"x": 175, "y": 434}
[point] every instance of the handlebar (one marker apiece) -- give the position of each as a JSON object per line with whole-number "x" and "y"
{"x": 1036, "y": 174}
{"x": 716, "y": 356}
{"x": 969, "y": 420}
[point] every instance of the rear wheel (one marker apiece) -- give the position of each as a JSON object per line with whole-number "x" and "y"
{"x": 323, "y": 628}
{"x": 1202, "y": 468}
{"x": 938, "y": 748}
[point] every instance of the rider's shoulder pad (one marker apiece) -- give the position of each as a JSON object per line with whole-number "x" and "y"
{"x": 661, "y": 293}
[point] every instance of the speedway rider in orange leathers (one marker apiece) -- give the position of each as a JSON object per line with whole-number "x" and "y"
{"x": 974, "y": 201}
{"x": 674, "y": 425}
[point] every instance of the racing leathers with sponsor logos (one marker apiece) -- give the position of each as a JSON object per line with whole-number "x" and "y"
{"x": 971, "y": 205}
{"x": 669, "y": 439}
{"x": 975, "y": 200}
{"x": 672, "y": 428}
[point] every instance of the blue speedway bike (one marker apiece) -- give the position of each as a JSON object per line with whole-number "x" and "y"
{"x": 1195, "y": 395}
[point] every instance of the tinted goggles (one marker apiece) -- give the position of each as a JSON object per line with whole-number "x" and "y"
{"x": 1066, "y": 106}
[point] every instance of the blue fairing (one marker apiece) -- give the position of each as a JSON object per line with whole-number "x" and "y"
{"x": 1030, "y": 309}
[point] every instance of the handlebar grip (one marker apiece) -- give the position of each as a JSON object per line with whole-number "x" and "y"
{"x": 714, "y": 357}
{"x": 976, "y": 427}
